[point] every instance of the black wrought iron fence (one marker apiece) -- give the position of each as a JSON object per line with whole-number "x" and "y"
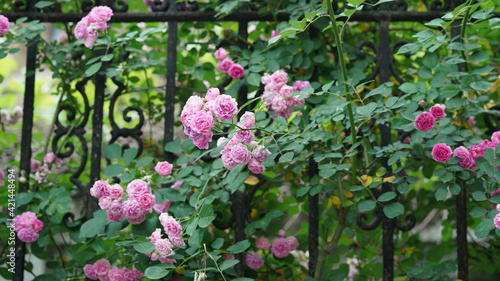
{"x": 93, "y": 114}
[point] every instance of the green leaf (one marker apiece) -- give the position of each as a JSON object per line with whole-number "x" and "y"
{"x": 239, "y": 247}
{"x": 113, "y": 170}
{"x": 144, "y": 161}
{"x": 155, "y": 272}
{"x": 479, "y": 196}
{"x": 112, "y": 151}
{"x": 45, "y": 277}
{"x": 93, "y": 69}
{"x": 242, "y": 279}
{"x": 94, "y": 226}
{"x": 287, "y": 157}
{"x": 366, "y": 110}
{"x": 217, "y": 243}
{"x": 238, "y": 181}
{"x": 480, "y": 85}
{"x": 43, "y": 4}
{"x": 366, "y": 205}
{"x": 144, "y": 247}
{"x": 387, "y": 196}
{"x": 24, "y": 198}
{"x": 174, "y": 146}
{"x": 394, "y": 209}
{"x": 478, "y": 212}
{"x": 253, "y": 79}
{"x": 107, "y": 57}
{"x": 171, "y": 194}
{"x": 129, "y": 155}
{"x": 227, "y": 264}
{"x": 483, "y": 228}
{"x": 207, "y": 215}
{"x": 441, "y": 194}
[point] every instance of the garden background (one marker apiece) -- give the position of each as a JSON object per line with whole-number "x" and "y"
{"x": 255, "y": 105}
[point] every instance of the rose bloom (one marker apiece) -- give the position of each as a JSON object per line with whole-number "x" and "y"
{"x": 115, "y": 274}
{"x": 225, "y": 107}
{"x": 495, "y": 138}
{"x": 266, "y": 79}
{"x": 27, "y": 235}
{"x": 437, "y": 111}
{"x": 147, "y": 200}
{"x": 177, "y": 185}
{"x": 137, "y": 187}
{"x": 477, "y": 151}
{"x": 424, "y": 122}
{"x": 177, "y": 241}
{"x": 163, "y": 207}
{"x": 441, "y": 152}
{"x": 101, "y": 267}
{"x": 25, "y": 220}
{"x": 224, "y": 65}
{"x": 171, "y": 226}
{"x": 163, "y": 168}
{"x": 280, "y": 77}
{"x": 496, "y": 221}
{"x": 260, "y": 153}
{"x": 262, "y": 243}
{"x": 280, "y": 248}
{"x": 466, "y": 159}
{"x": 301, "y": 85}
{"x": 101, "y": 14}
{"x": 202, "y": 122}
{"x": 236, "y": 71}
{"x": 201, "y": 140}
{"x": 155, "y": 235}
{"x": 254, "y": 260}
{"x": 132, "y": 209}
{"x": 4, "y": 25}
{"x": 220, "y": 54}
{"x": 115, "y": 191}
{"x": 81, "y": 28}
{"x": 240, "y": 154}
{"x": 227, "y": 161}
{"x": 256, "y": 167}
{"x": 163, "y": 247}
{"x": 105, "y": 202}
{"x": 212, "y": 94}
{"x": 35, "y": 165}
{"x": 37, "y": 225}
{"x": 100, "y": 188}
{"x": 247, "y": 120}
{"x": 89, "y": 271}
{"x": 245, "y": 136}
{"x": 292, "y": 242}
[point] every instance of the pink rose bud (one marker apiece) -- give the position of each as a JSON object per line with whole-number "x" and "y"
{"x": 236, "y": 71}
{"x": 424, "y": 122}
{"x": 4, "y": 25}
{"x": 220, "y": 54}
{"x": 441, "y": 152}
{"x": 163, "y": 168}
{"x": 437, "y": 111}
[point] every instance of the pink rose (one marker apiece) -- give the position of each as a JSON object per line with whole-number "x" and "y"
{"x": 49, "y": 158}
{"x": 493, "y": 193}
{"x": 225, "y": 107}
{"x": 163, "y": 207}
{"x": 137, "y": 187}
{"x": 256, "y": 167}
{"x": 100, "y": 188}
{"x": 280, "y": 248}
{"x": 266, "y": 79}
{"x": 147, "y": 200}
{"x": 254, "y": 260}
{"x": 100, "y": 14}
{"x": 105, "y": 202}
{"x": 115, "y": 191}
{"x": 437, "y": 111}
{"x": 279, "y": 77}
{"x": 301, "y": 85}
{"x": 155, "y": 235}
{"x": 171, "y": 226}
{"x": 424, "y": 122}
{"x": 496, "y": 221}
{"x": 4, "y": 25}
{"x": 177, "y": 241}
{"x": 137, "y": 220}
{"x": 81, "y": 28}
{"x": 260, "y": 153}
{"x": 227, "y": 161}
{"x": 128, "y": 274}
{"x": 27, "y": 235}
{"x": 236, "y": 71}
{"x": 262, "y": 243}
{"x": 37, "y": 225}
{"x": 224, "y": 65}
{"x": 177, "y": 184}
{"x": 245, "y": 136}
{"x": 240, "y": 154}
{"x": 220, "y": 54}
{"x": 292, "y": 242}
{"x": 115, "y": 274}
{"x": 202, "y": 122}
{"x": 163, "y": 168}
{"x": 495, "y": 138}
{"x": 132, "y": 209}
{"x": 201, "y": 140}
{"x": 163, "y": 247}
{"x": 472, "y": 121}
{"x": 477, "y": 151}
{"x": 101, "y": 267}
{"x": 89, "y": 271}
{"x": 212, "y": 94}
{"x": 247, "y": 120}
{"x": 35, "y": 165}
{"x": 441, "y": 152}
{"x": 90, "y": 41}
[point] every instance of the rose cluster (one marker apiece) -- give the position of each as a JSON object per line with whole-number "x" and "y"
{"x": 425, "y": 121}
{"x": 241, "y": 148}
{"x": 442, "y": 152}
{"x": 199, "y": 115}
{"x": 227, "y": 65}
{"x": 281, "y": 247}
{"x": 279, "y": 97}
{"x": 27, "y": 227}
{"x": 8, "y": 117}
{"x": 4, "y": 25}
{"x": 139, "y": 203}
{"x": 102, "y": 270}
{"x": 89, "y": 26}
{"x": 164, "y": 246}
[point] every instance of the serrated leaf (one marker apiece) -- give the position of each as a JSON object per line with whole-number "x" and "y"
{"x": 144, "y": 161}
{"x": 113, "y": 170}
{"x": 155, "y": 272}
{"x": 24, "y": 198}
{"x": 483, "y": 228}
{"x": 144, "y": 247}
{"x": 112, "y": 151}
{"x": 129, "y": 155}
{"x": 94, "y": 226}
{"x": 478, "y": 212}
{"x": 287, "y": 157}
{"x": 253, "y": 79}
{"x": 227, "y": 264}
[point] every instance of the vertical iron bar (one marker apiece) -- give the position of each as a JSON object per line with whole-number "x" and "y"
{"x": 170, "y": 89}
{"x": 384, "y": 57}
{"x": 313, "y": 222}
{"x": 27, "y": 132}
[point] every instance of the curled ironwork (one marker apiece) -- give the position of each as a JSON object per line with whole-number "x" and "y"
{"x": 440, "y": 5}
{"x": 363, "y": 217}
{"x": 410, "y": 221}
